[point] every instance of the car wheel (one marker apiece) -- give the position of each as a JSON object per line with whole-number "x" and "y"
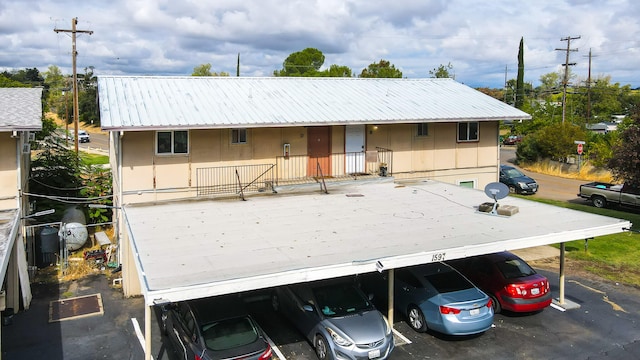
{"x": 599, "y": 201}
{"x": 322, "y": 348}
{"x": 275, "y": 302}
{"x": 512, "y": 189}
{"x": 416, "y": 319}
{"x": 497, "y": 308}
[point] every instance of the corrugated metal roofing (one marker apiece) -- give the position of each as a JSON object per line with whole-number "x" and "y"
{"x": 148, "y": 102}
{"x": 20, "y": 109}
{"x": 198, "y": 249}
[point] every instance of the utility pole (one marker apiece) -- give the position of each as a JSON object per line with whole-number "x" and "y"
{"x": 565, "y": 81}
{"x": 74, "y": 55}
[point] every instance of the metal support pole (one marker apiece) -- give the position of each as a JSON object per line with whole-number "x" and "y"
{"x": 391, "y": 280}
{"x": 561, "y": 297}
{"x": 147, "y": 332}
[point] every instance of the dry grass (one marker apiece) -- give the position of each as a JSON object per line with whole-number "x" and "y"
{"x": 587, "y": 172}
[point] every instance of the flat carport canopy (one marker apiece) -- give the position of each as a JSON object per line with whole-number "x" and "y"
{"x": 195, "y": 249}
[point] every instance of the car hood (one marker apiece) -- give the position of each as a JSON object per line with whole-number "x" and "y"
{"x": 362, "y": 328}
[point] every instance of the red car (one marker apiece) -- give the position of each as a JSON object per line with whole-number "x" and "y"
{"x": 510, "y": 281}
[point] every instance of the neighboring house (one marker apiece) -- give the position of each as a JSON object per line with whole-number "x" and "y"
{"x": 603, "y": 127}
{"x": 193, "y": 137}
{"x": 20, "y": 116}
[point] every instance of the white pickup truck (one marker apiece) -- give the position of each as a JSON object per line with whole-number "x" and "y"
{"x": 83, "y": 136}
{"x": 603, "y": 194}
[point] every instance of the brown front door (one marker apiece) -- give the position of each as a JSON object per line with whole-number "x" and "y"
{"x": 319, "y": 150}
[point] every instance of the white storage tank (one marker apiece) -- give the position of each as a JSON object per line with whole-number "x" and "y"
{"x": 73, "y": 230}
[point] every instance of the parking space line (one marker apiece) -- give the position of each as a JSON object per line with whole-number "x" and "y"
{"x": 404, "y": 338}
{"x": 136, "y": 328}
{"x": 274, "y": 348}
{"x": 557, "y": 307}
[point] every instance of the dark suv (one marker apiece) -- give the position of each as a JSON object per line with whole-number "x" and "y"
{"x": 517, "y": 182}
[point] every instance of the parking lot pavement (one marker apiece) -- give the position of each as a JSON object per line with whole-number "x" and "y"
{"x": 606, "y": 326}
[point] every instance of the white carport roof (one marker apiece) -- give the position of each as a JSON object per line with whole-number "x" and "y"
{"x": 197, "y": 249}
{"x": 8, "y": 228}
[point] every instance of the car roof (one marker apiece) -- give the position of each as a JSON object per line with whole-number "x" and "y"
{"x": 506, "y": 167}
{"x": 431, "y": 268}
{"x": 500, "y": 256}
{"x": 218, "y": 308}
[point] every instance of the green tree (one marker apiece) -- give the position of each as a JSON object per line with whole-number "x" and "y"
{"x": 382, "y": 69}
{"x": 520, "y": 78}
{"x": 339, "y": 71}
{"x": 302, "y": 63}
{"x": 202, "y": 70}
{"x": 442, "y": 71}
{"x": 625, "y": 162}
{"x": 88, "y": 98}
{"x": 205, "y": 70}
{"x": 57, "y": 85}
{"x": 554, "y": 141}
{"x": 7, "y": 82}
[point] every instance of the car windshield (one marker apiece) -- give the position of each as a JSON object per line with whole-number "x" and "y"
{"x": 515, "y": 268}
{"x": 448, "y": 281}
{"x": 512, "y": 173}
{"x": 340, "y": 300}
{"x": 229, "y": 333}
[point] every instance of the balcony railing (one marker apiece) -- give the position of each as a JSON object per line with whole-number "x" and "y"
{"x": 297, "y": 169}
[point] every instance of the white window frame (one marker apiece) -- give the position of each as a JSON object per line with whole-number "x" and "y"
{"x": 172, "y": 141}
{"x": 237, "y": 136}
{"x": 467, "y": 136}
{"x": 472, "y": 181}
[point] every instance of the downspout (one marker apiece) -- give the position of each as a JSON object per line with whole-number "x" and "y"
{"x": 120, "y": 135}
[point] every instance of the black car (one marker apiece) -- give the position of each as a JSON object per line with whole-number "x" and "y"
{"x": 215, "y": 328}
{"x": 517, "y": 182}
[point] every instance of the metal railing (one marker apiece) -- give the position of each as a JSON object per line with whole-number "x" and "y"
{"x": 234, "y": 179}
{"x": 294, "y": 169}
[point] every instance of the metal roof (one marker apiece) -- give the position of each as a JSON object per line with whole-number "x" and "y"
{"x": 196, "y": 249}
{"x": 20, "y": 109}
{"x": 151, "y": 102}
{"x": 8, "y": 227}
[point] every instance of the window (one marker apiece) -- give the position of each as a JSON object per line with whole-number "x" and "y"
{"x": 468, "y": 131}
{"x": 471, "y": 184}
{"x": 239, "y": 136}
{"x": 423, "y": 129}
{"x": 172, "y": 142}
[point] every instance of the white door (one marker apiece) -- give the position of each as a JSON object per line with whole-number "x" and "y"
{"x": 354, "y": 148}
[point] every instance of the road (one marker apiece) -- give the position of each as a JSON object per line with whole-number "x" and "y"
{"x": 550, "y": 187}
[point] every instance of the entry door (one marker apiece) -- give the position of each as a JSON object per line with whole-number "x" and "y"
{"x": 319, "y": 150}
{"x": 354, "y": 148}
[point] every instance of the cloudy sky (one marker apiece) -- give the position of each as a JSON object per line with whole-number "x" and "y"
{"x": 479, "y": 38}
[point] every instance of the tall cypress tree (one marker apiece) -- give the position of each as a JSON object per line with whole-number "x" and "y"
{"x": 520, "y": 79}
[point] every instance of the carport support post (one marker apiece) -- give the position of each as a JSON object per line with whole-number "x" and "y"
{"x": 392, "y": 276}
{"x": 147, "y": 332}
{"x": 561, "y": 298}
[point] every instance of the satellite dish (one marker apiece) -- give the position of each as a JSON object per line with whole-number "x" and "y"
{"x": 496, "y": 190}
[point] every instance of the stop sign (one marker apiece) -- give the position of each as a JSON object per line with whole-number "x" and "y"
{"x": 579, "y": 149}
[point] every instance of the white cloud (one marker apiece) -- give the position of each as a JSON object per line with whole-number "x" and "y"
{"x": 479, "y": 38}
